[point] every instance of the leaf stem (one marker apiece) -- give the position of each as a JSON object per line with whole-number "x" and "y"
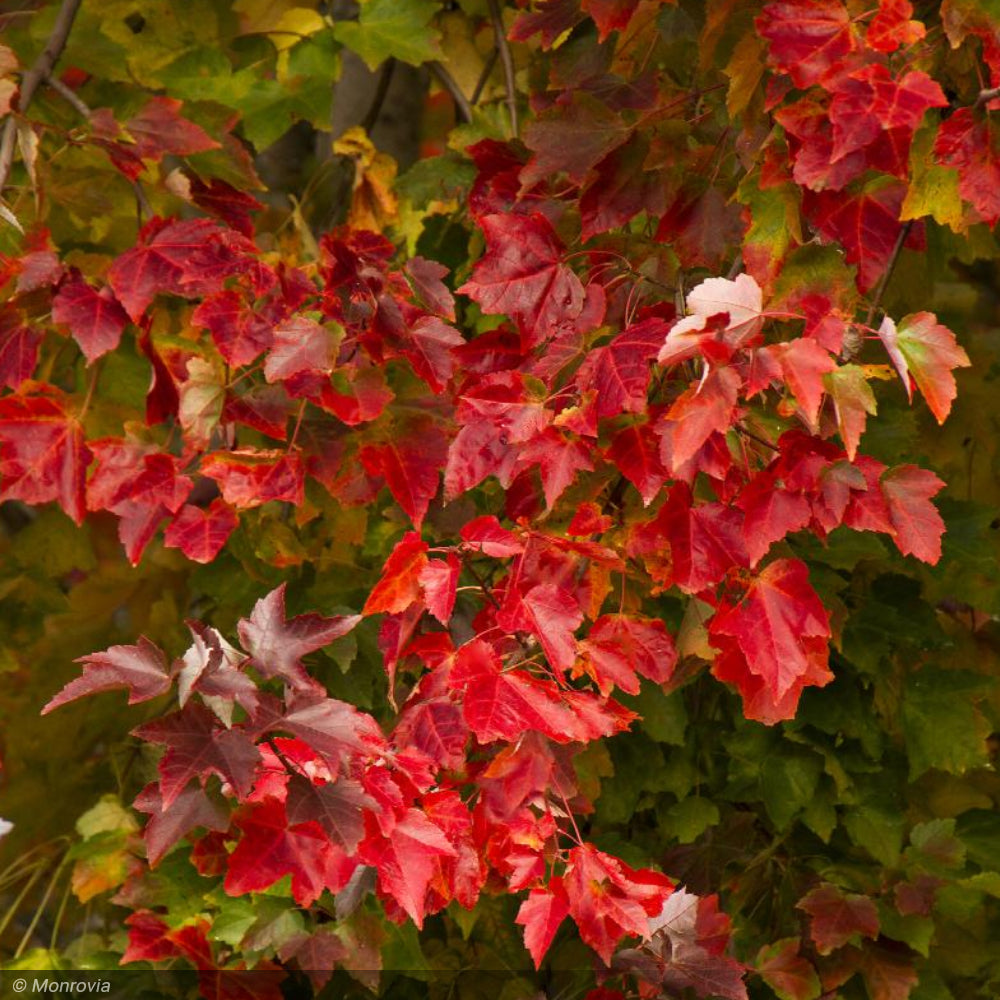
{"x": 887, "y": 274}
{"x": 40, "y": 71}
{"x": 463, "y": 110}
{"x": 506, "y": 60}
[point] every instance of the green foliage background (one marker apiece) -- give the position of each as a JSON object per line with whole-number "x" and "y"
{"x": 885, "y": 776}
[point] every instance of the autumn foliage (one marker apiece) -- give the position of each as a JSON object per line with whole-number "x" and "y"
{"x": 598, "y": 453}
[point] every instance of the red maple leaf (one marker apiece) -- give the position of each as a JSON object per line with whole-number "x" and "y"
{"x": 192, "y": 809}
{"x": 198, "y": 745}
{"x": 18, "y": 350}
{"x": 808, "y": 38}
{"x": 917, "y": 526}
{"x": 141, "y": 669}
{"x": 159, "y": 129}
{"x": 400, "y": 583}
{"x": 272, "y": 847}
{"x": 968, "y": 142}
{"x": 522, "y": 275}
{"x": 925, "y": 352}
{"x": 337, "y": 807}
{"x": 43, "y": 456}
{"x": 618, "y": 648}
{"x": 250, "y": 477}
{"x": 439, "y": 580}
{"x": 299, "y": 344}
{"x": 201, "y": 533}
{"x": 772, "y": 622}
{"x": 241, "y": 333}
{"x": 276, "y": 644}
{"x": 540, "y": 915}
{"x": 608, "y": 900}
{"x": 95, "y": 318}
{"x": 836, "y": 917}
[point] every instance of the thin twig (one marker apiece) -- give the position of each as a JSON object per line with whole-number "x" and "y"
{"x": 69, "y": 95}
{"x": 484, "y": 76}
{"x": 887, "y": 274}
{"x": 40, "y": 71}
{"x": 143, "y": 209}
{"x": 375, "y": 108}
{"x": 463, "y": 110}
{"x": 985, "y": 96}
{"x": 500, "y": 34}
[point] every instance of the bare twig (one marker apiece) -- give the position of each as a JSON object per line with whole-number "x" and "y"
{"x": 985, "y": 96}
{"x": 375, "y": 108}
{"x": 506, "y": 60}
{"x": 887, "y": 274}
{"x": 143, "y": 209}
{"x": 40, "y": 71}
{"x": 484, "y": 76}
{"x": 69, "y": 95}
{"x": 463, "y": 110}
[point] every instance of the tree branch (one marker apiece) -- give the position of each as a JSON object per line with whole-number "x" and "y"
{"x": 985, "y": 96}
{"x": 463, "y": 110}
{"x": 485, "y": 75}
{"x": 381, "y": 90}
{"x": 496, "y": 17}
{"x": 887, "y": 274}
{"x": 41, "y": 71}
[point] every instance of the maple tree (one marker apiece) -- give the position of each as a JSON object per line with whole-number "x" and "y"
{"x": 539, "y": 566}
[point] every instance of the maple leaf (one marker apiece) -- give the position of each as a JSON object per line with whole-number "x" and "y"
{"x": 608, "y": 900}
{"x": 405, "y": 859}
{"x": 435, "y": 725}
{"x": 772, "y": 624}
{"x": 789, "y": 974}
{"x": 925, "y": 352}
{"x": 240, "y": 333}
{"x": 429, "y": 345}
{"x": 866, "y": 224}
{"x": 487, "y": 535}
{"x": 701, "y": 411}
{"x": 770, "y": 513}
{"x": 702, "y": 541}
{"x": 966, "y": 142}
{"x": 502, "y": 705}
{"x": 250, "y": 477}
{"x": 853, "y": 402}
{"x": 201, "y": 534}
{"x": 572, "y": 138}
{"x": 870, "y": 100}
{"x": 400, "y": 583}
{"x": 425, "y": 277}
{"x": 741, "y": 300}
{"x": 836, "y": 917}
{"x": 439, "y": 581}
{"x": 159, "y": 129}
{"x": 271, "y": 848}
{"x": 42, "y": 453}
{"x": 620, "y": 371}
{"x": 332, "y": 728}
{"x": 336, "y": 806}
{"x": 620, "y": 647}
{"x": 891, "y": 27}
{"x": 299, "y": 344}
{"x": 609, "y": 15}
{"x": 276, "y": 643}
{"x": 142, "y": 669}
{"x": 540, "y": 915}
{"x": 559, "y": 457}
{"x": 635, "y": 452}
{"x": 197, "y": 745}
{"x": 522, "y": 275}
{"x": 917, "y": 526}
{"x": 410, "y": 462}
{"x": 95, "y": 318}
{"x": 553, "y": 615}
{"x": 809, "y": 39}
{"x": 686, "y": 950}
{"x": 189, "y": 258}
{"x": 804, "y": 364}
{"x": 192, "y": 809}
{"x": 18, "y": 350}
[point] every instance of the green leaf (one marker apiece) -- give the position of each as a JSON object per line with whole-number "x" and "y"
{"x": 942, "y": 726}
{"x": 691, "y": 817}
{"x": 398, "y": 29}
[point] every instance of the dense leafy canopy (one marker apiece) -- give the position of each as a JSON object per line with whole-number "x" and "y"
{"x": 533, "y": 571}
